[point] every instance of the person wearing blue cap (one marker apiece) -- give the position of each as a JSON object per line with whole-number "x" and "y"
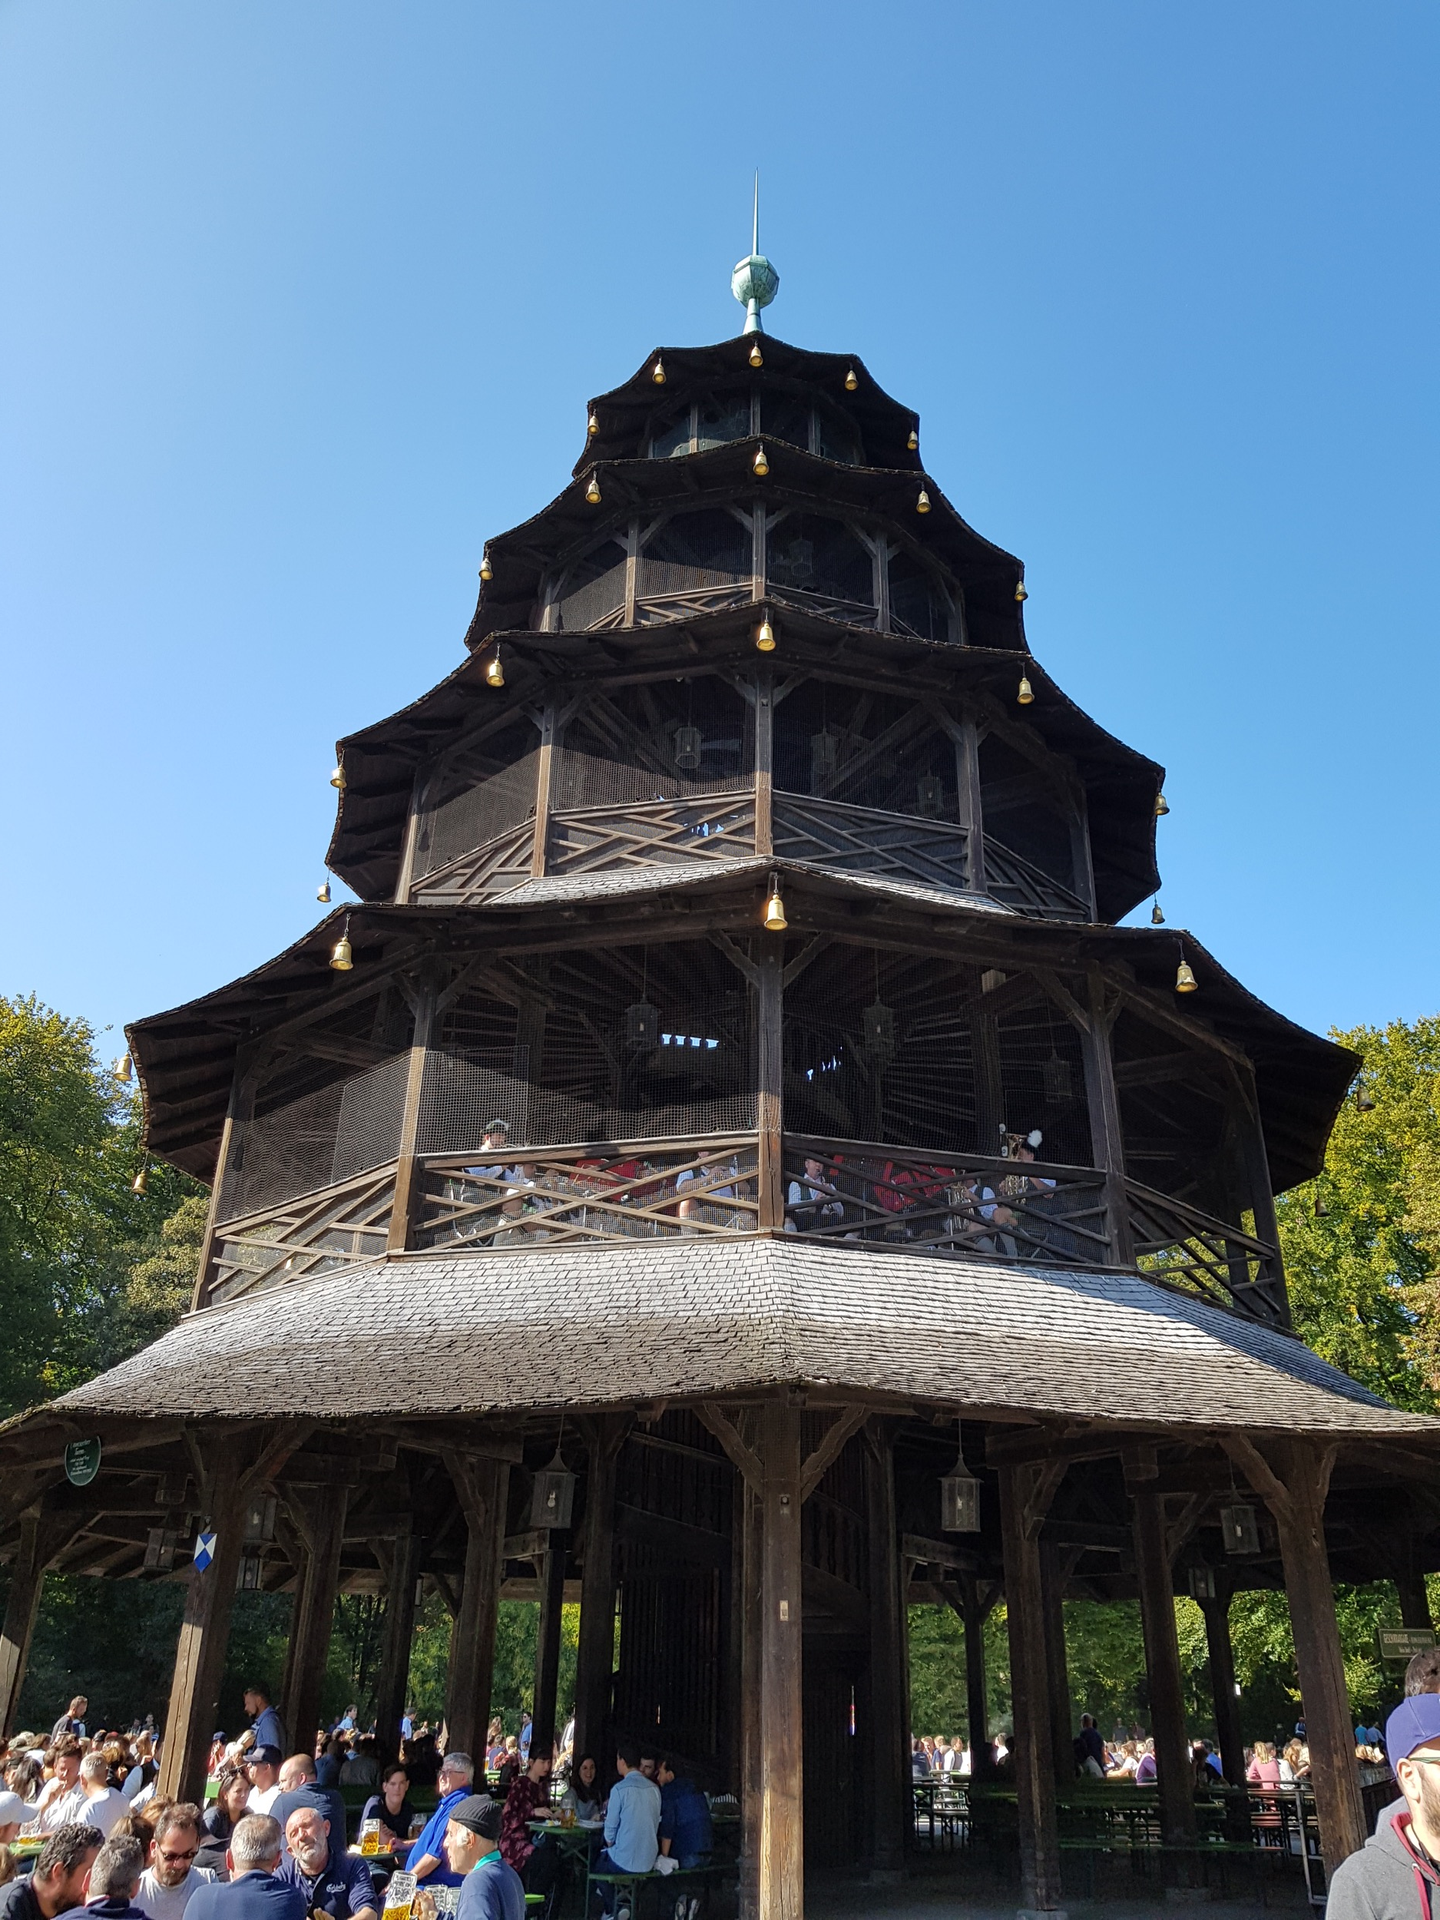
{"x": 1396, "y": 1874}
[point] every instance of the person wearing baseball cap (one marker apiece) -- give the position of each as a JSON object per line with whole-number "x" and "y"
{"x": 13, "y": 1815}
{"x": 490, "y": 1889}
{"x": 1396, "y": 1874}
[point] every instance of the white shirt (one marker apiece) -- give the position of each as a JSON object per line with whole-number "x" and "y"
{"x": 261, "y": 1802}
{"x": 62, "y": 1810}
{"x": 168, "y": 1903}
{"x": 108, "y": 1806}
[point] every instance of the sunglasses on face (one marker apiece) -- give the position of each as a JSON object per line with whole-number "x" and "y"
{"x": 174, "y": 1859}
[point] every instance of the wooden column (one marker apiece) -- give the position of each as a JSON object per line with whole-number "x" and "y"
{"x": 765, "y": 762}
{"x": 781, "y": 1861}
{"x": 751, "y": 1603}
{"x": 1293, "y": 1479}
{"x": 237, "y": 1112}
{"x": 204, "y": 1632}
{"x": 393, "y": 1684}
{"x": 595, "y": 1655}
{"x": 1078, "y": 819}
{"x": 989, "y": 1087}
{"x": 887, "y": 1726}
{"x": 1025, "y": 1493}
{"x": 769, "y": 1048}
{"x": 1255, "y": 1165}
{"x": 1411, "y": 1592}
{"x": 1107, "y": 1140}
{"x": 482, "y": 1487}
{"x": 966, "y": 737}
{"x": 27, "y": 1577}
{"x": 407, "y": 1171}
{"x": 319, "y": 1514}
{"x": 1057, "y": 1663}
{"x": 550, "y": 1566}
{"x": 977, "y": 1703}
{"x": 406, "y": 876}
{"x": 543, "y": 778}
{"x": 1162, "y": 1655}
{"x": 1216, "y": 1610}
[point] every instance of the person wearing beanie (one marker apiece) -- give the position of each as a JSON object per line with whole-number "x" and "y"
{"x": 490, "y": 1889}
{"x": 1396, "y": 1874}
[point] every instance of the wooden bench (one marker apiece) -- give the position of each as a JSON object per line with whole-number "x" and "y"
{"x": 1222, "y": 1852}
{"x": 672, "y": 1885}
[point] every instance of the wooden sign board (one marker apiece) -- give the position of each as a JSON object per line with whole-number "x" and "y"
{"x": 1399, "y": 1644}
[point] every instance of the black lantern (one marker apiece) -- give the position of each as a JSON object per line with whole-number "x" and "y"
{"x": 260, "y": 1521}
{"x": 160, "y": 1547}
{"x": 642, "y": 1025}
{"x": 1240, "y": 1528}
{"x": 929, "y": 796}
{"x": 1202, "y": 1583}
{"x": 880, "y": 1031}
{"x": 553, "y": 1500}
{"x": 687, "y": 749}
{"x": 960, "y": 1497}
{"x": 247, "y": 1580}
{"x": 824, "y": 759}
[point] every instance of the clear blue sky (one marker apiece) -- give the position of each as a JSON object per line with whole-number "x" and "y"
{"x": 303, "y": 301}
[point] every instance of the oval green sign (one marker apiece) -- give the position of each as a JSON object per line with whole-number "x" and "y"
{"x": 82, "y": 1462}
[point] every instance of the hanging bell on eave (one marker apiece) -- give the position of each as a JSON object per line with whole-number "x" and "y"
{"x": 762, "y": 465}
{"x": 1022, "y": 592}
{"x": 775, "y": 921}
{"x": 322, "y": 893}
{"x": 1157, "y": 917}
{"x": 342, "y": 956}
{"x": 658, "y": 374}
{"x": 1162, "y": 806}
{"x": 123, "y": 1069}
{"x": 765, "y": 636}
{"x": 922, "y": 504}
{"x": 337, "y": 778}
{"x": 1185, "y": 981}
{"x": 912, "y": 445}
{"x": 141, "y": 1180}
{"x": 851, "y": 380}
{"x": 1364, "y": 1099}
{"x": 592, "y": 425}
{"x": 1025, "y": 693}
{"x": 960, "y": 1497}
{"x": 592, "y": 492}
{"x": 494, "y": 670}
{"x": 757, "y": 359}
{"x": 487, "y": 572}
{"x": 1321, "y": 1210}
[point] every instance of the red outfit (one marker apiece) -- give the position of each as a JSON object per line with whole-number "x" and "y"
{"x": 516, "y": 1842}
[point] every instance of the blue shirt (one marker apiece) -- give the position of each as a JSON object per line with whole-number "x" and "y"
{"x": 492, "y": 1890}
{"x": 632, "y": 1822}
{"x": 432, "y": 1840}
{"x": 326, "y": 1801}
{"x": 253, "y": 1896}
{"x": 685, "y": 1819}
{"x": 268, "y": 1729}
{"x": 342, "y": 1887}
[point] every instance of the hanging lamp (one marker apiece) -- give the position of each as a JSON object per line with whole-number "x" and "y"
{"x": 960, "y": 1495}
{"x": 775, "y": 921}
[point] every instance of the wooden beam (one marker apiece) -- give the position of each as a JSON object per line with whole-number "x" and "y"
{"x": 320, "y": 1517}
{"x": 401, "y": 1559}
{"x": 551, "y": 1570}
{"x": 1107, "y": 1138}
{"x": 408, "y": 1167}
{"x": 770, "y": 1082}
{"x": 743, "y": 1458}
{"x": 604, "y": 1435}
{"x": 888, "y": 1729}
{"x": 204, "y": 1631}
{"x": 1025, "y": 1495}
{"x": 1222, "y": 1684}
{"x": 781, "y": 1851}
{"x": 1162, "y": 1664}
{"x": 482, "y": 1487}
{"x": 837, "y": 1435}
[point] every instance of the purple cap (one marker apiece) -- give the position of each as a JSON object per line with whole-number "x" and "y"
{"x": 1413, "y": 1722}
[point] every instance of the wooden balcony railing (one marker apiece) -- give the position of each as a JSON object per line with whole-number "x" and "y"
{"x": 1178, "y": 1244}
{"x": 328, "y": 1228}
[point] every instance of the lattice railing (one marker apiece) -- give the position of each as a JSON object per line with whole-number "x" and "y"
{"x": 653, "y": 609}
{"x": 310, "y": 1234}
{"x": 646, "y": 832}
{"x": 1023, "y": 1212}
{"x": 1015, "y": 882}
{"x": 1184, "y": 1247}
{"x": 563, "y": 1195}
{"x": 867, "y": 840}
{"x": 502, "y": 863}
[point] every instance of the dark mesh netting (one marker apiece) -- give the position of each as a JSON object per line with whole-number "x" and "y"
{"x": 695, "y": 551}
{"x": 481, "y": 789}
{"x": 594, "y": 588}
{"x": 721, "y": 419}
{"x": 317, "y": 1138}
{"x": 836, "y": 439}
{"x": 783, "y": 418}
{"x": 868, "y": 750}
{"x": 811, "y": 560}
{"x": 664, "y": 742}
{"x": 672, "y": 439}
{"x": 1022, "y": 813}
{"x": 916, "y": 605}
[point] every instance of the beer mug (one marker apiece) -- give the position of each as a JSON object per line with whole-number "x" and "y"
{"x": 399, "y": 1896}
{"x": 370, "y": 1837}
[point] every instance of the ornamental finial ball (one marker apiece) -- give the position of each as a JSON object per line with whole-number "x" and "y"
{"x": 754, "y": 284}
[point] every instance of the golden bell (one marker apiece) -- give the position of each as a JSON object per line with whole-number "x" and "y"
{"x": 1320, "y": 1208}
{"x": 592, "y": 492}
{"x": 337, "y": 779}
{"x": 775, "y": 921}
{"x": 1185, "y": 981}
{"x": 592, "y": 425}
{"x": 1021, "y": 592}
{"x": 1162, "y": 806}
{"x": 913, "y": 443}
{"x": 1025, "y": 693}
{"x": 658, "y": 376}
{"x": 1157, "y": 918}
{"x": 486, "y": 570}
{"x": 342, "y": 958}
{"x": 1364, "y": 1099}
{"x": 765, "y": 638}
{"x": 757, "y": 359}
{"x": 322, "y": 893}
{"x": 123, "y": 1070}
{"x": 762, "y": 465}
{"x": 141, "y": 1181}
{"x": 851, "y": 383}
{"x": 922, "y": 505}
{"x": 494, "y": 672}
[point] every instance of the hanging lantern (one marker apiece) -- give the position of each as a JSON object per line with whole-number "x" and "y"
{"x": 912, "y": 445}
{"x": 658, "y": 376}
{"x": 757, "y": 359}
{"x": 1056, "y": 1080}
{"x": 592, "y": 492}
{"x": 337, "y": 779}
{"x": 123, "y": 1069}
{"x": 1162, "y": 806}
{"x": 688, "y": 744}
{"x": 260, "y": 1521}
{"x": 1021, "y": 591}
{"x": 642, "y": 1025}
{"x": 960, "y": 1496}
{"x": 1157, "y": 918}
{"x": 342, "y": 958}
{"x": 322, "y": 893}
{"x": 880, "y": 1031}
{"x": 1202, "y": 1583}
{"x": 160, "y": 1546}
{"x": 1025, "y": 693}
{"x": 824, "y": 759}
{"x": 487, "y": 572}
{"x": 141, "y": 1180}
{"x": 775, "y": 921}
{"x": 922, "y": 505}
{"x": 929, "y": 796}
{"x": 553, "y": 1501}
{"x": 1185, "y": 981}
{"x": 765, "y": 638}
{"x": 851, "y": 383}
{"x": 1364, "y": 1099}
{"x": 592, "y": 425}
{"x": 1240, "y": 1528}
{"x": 494, "y": 671}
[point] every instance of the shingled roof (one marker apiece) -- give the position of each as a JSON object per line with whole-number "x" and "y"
{"x": 609, "y": 1325}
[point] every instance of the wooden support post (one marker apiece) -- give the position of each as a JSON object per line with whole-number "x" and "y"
{"x": 888, "y": 1729}
{"x": 407, "y": 1170}
{"x": 550, "y": 1566}
{"x": 405, "y": 878}
{"x": 769, "y": 1045}
{"x": 1216, "y": 1610}
{"x": 977, "y": 1705}
{"x": 27, "y": 1577}
{"x": 204, "y": 1631}
{"x": 237, "y": 1112}
{"x": 543, "y": 780}
{"x": 1025, "y": 1493}
{"x": 482, "y": 1487}
{"x": 765, "y": 762}
{"x": 319, "y": 1514}
{"x": 1057, "y": 1663}
{"x": 1293, "y": 1478}
{"x": 752, "y": 1557}
{"x": 1411, "y": 1592}
{"x": 1162, "y": 1655}
{"x": 1107, "y": 1139}
{"x": 966, "y": 736}
{"x": 1081, "y": 864}
{"x": 989, "y": 1088}
{"x": 394, "y": 1681}
{"x": 1255, "y": 1165}
{"x": 781, "y": 1861}
{"x": 595, "y": 1656}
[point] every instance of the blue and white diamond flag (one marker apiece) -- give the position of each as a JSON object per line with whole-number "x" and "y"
{"x": 204, "y": 1550}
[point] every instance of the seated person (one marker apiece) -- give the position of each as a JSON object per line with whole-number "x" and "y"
{"x": 700, "y": 1206}
{"x": 812, "y": 1202}
{"x": 333, "y": 1881}
{"x": 685, "y": 1831}
{"x": 391, "y": 1807}
{"x": 221, "y": 1820}
{"x": 632, "y": 1821}
{"x": 583, "y": 1797}
{"x": 490, "y": 1888}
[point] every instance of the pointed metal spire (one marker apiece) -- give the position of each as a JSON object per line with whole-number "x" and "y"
{"x": 754, "y": 282}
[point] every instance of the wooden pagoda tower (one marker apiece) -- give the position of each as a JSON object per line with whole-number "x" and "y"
{"x": 753, "y": 875}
